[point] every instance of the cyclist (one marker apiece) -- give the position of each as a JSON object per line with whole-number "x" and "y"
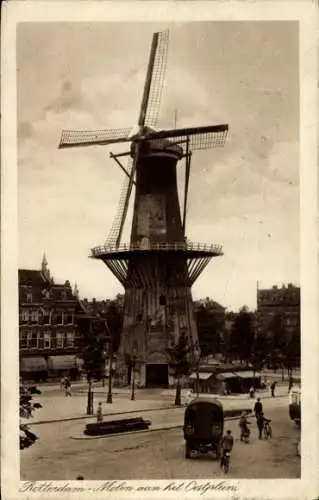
{"x": 243, "y": 424}
{"x": 261, "y": 421}
{"x": 226, "y": 445}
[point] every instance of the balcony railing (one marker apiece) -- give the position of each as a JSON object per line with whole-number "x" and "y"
{"x": 191, "y": 246}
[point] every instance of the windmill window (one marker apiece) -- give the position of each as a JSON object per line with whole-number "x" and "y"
{"x": 162, "y": 300}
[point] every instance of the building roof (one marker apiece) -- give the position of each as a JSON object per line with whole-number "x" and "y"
{"x": 31, "y": 277}
{"x": 222, "y": 367}
{"x": 286, "y": 295}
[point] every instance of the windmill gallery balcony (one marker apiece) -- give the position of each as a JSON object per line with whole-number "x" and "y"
{"x": 117, "y": 258}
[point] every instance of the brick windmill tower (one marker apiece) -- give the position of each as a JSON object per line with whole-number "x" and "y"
{"x": 159, "y": 265}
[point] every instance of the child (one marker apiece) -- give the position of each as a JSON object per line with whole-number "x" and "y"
{"x": 99, "y": 413}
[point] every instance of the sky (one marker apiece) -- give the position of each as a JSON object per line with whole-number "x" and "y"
{"x": 244, "y": 196}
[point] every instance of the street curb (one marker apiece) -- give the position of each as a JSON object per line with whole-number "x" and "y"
{"x": 180, "y": 426}
{"x": 83, "y": 417}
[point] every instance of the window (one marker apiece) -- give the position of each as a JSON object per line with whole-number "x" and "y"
{"x": 68, "y": 318}
{"x": 32, "y": 340}
{"x": 59, "y": 340}
{"x": 46, "y": 317}
{"x": 24, "y": 340}
{"x": 47, "y": 340}
{"x": 29, "y": 297}
{"x": 25, "y": 316}
{"x": 35, "y": 316}
{"x": 69, "y": 339}
{"x": 40, "y": 338}
{"x": 59, "y": 317}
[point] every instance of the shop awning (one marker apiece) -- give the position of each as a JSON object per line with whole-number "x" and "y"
{"x": 66, "y": 362}
{"x": 201, "y": 376}
{"x": 226, "y": 375}
{"x": 37, "y": 364}
{"x": 247, "y": 374}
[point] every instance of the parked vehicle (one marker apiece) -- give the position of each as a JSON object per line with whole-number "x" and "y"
{"x": 295, "y": 404}
{"x": 203, "y": 426}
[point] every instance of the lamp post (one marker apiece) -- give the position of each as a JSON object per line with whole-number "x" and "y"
{"x": 133, "y": 361}
{"x": 109, "y": 394}
{"x": 196, "y": 354}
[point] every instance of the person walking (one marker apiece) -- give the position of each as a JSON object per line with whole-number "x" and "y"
{"x": 290, "y": 384}
{"x": 260, "y": 424}
{"x": 258, "y": 408}
{"x": 99, "y": 413}
{"x": 272, "y": 388}
{"x": 67, "y": 386}
{"x": 252, "y": 392}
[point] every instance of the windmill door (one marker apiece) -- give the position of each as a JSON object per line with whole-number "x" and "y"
{"x": 156, "y": 375}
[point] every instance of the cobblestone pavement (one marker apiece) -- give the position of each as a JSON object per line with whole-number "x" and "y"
{"x": 159, "y": 454}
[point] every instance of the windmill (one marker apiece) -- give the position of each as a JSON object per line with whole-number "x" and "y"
{"x": 159, "y": 265}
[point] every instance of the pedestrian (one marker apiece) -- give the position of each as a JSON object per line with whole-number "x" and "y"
{"x": 260, "y": 424}
{"x": 272, "y": 388}
{"x": 252, "y": 392}
{"x": 62, "y": 383}
{"x": 290, "y": 384}
{"x": 258, "y": 408}
{"x": 67, "y": 386}
{"x": 99, "y": 413}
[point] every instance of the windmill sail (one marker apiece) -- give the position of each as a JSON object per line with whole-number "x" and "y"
{"x": 149, "y": 113}
{"x": 157, "y": 82}
{"x": 75, "y": 138}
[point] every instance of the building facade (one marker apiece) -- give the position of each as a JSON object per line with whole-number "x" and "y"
{"x": 278, "y": 318}
{"x": 47, "y": 325}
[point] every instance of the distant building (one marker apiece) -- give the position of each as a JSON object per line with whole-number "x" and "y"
{"x": 47, "y": 325}
{"x": 283, "y": 301}
{"x": 210, "y": 319}
{"x": 278, "y": 310}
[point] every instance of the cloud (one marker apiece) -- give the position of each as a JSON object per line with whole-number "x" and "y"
{"x": 25, "y": 130}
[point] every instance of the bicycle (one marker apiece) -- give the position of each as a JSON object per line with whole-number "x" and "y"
{"x": 226, "y": 462}
{"x": 267, "y": 430}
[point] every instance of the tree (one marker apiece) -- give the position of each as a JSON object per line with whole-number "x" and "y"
{"x": 242, "y": 334}
{"x": 114, "y": 318}
{"x": 94, "y": 335}
{"x": 179, "y": 364}
{"x": 27, "y": 407}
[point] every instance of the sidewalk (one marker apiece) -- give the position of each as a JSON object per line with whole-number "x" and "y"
{"x": 58, "y": 407}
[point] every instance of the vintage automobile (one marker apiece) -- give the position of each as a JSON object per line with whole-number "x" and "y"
{"x": 295, "y": 404}
{"x": 203, "y": 426}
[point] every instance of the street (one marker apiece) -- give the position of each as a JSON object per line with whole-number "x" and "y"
{"x": 62, "y": 453}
